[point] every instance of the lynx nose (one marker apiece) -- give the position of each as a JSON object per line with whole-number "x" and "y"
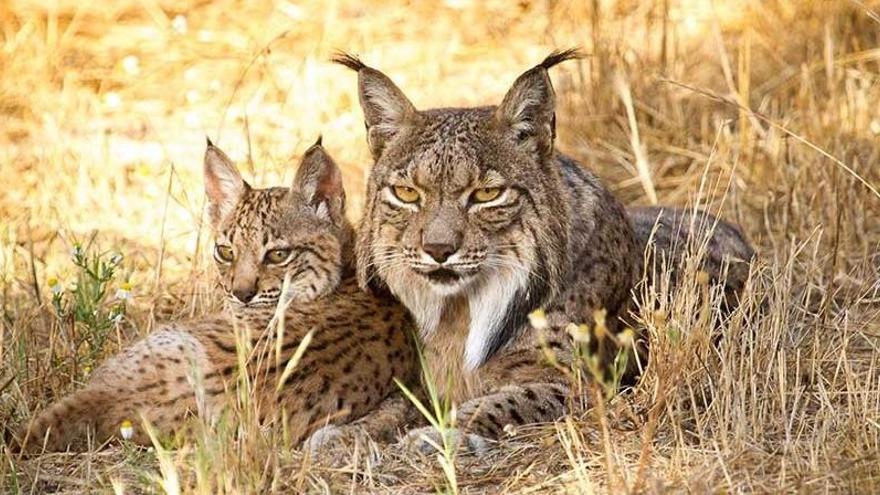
{"x": 440, "y": 252}
{"x": 245, "y": 295}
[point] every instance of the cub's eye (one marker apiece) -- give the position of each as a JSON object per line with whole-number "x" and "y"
{"x": 406, "y": 194}
{"x": 223, "y": 254}
{"x": 485, "y": 194}
{"x": 276, "y": 256}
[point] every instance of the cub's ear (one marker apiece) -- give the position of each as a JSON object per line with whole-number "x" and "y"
{"x": 386, "y": 109}
{"x": 528, "y": 112}
{"x": 319, "y": 181}
{"x": 223, "y": 184}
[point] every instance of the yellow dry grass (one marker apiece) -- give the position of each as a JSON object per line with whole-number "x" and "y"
{"x": 766, "y": 111}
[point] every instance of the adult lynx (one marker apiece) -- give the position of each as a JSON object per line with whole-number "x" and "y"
{"x": 473, "y": 220}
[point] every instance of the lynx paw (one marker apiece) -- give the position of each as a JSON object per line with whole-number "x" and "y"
{"x": 425, "y": 440}
{"x": 324, "y": 438}
{"x": 336, "y": 444}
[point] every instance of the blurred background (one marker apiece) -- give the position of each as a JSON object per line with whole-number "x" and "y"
{"x": 765, "y": 111}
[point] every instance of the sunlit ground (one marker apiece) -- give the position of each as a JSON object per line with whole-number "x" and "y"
{"x": 763, "y": 111}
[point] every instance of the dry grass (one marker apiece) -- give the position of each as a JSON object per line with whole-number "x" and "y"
{"x": 766, "y": 111}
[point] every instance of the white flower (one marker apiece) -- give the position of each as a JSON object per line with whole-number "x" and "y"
{"x": 116, "y": 258}
{"x": 126, "y": 429}
{"x": 538, "y": 319}
{"x": 580, "y": 333}
{"x": 76, "y": 250}
{"x": 627, "y": 337}
{"x": 179, "y": 24}
{"x": 55, "y": 286}
{"x": 123, "y": 293}
{"x": 116, "y": 318}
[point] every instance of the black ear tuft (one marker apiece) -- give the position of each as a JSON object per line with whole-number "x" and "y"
{"x": 528, "y": 111}
{"x": 348, "y": 60}
{"x": 210, "y": 144}
{"x": 559, "y": 56}
{"x": 386, "y": 109}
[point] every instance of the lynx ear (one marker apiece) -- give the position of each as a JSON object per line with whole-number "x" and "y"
{"x": 528, "y": 111}
{"x": 319, "y": 181}
{"x": 223, "y": 184}
{"x": 386, "y": 109}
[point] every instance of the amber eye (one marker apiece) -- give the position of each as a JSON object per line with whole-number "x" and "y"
{"x": 485, "y": 194}
{"x": 276, "y": 256}
{"x": 406, "y": 194}
{"x": 223, "y": 254}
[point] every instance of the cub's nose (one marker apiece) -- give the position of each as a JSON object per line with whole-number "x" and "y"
{"x": 245, "y": 295}
{"x": 440, "y": 252}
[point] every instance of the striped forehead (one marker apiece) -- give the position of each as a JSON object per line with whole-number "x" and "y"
{"x": 446, "y": 154}
{"x": 444, "y": 165}
{"x": 259, "y": 216}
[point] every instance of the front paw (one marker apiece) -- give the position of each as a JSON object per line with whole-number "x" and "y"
{"x": 334, "y": 444}
{"x": 428, "y": 440}
{"x": 324, "y": 439}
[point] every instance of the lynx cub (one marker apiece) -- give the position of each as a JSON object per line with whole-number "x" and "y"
{"x": 473, "y": 220}
{"x": 360, "y": 344}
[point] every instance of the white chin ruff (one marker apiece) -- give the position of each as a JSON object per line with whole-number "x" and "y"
{"x": 422, "y": 302}
{"x": 488, "y": 302}
{"x": 453, "y": 289}
{"x": 489, "y": 297}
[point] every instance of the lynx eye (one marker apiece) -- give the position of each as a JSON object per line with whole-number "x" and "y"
{"x": 276, "y": 256}
{"x": 224, "y": 254}
{"x": 485, "y": 194}
{"x": 405, "y": 194}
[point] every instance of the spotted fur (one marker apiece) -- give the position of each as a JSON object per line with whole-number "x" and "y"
{"x": 361, "y": 342}
{"x": 673, "y": 233}
{"x": 471, "y": 271}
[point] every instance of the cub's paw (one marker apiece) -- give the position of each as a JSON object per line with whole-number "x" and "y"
{"x": 427, "y": 440}
{"x": 335, "y": 444}
{"x": 323, "y": 439}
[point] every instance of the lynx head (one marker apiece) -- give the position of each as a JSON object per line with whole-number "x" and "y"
{"x": 464, "y": 202}
{"x": 264, "y": 236}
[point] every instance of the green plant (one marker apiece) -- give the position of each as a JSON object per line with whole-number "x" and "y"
{"x": 86, "y": 308}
